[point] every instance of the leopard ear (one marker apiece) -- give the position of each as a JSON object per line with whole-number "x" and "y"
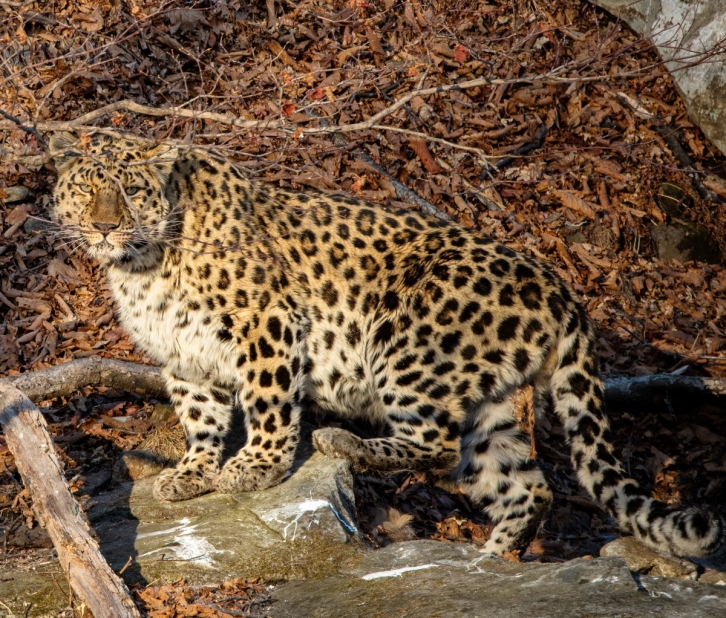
{"x": 162, "y": 159}
{"x": 59, "y": 145}
{"x": 163, "y": 153}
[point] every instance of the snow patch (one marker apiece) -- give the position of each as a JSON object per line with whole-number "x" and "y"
{"x": 291, "y": 515}
{"x": 186, "y": 545}
{"x": 397, "y": 572}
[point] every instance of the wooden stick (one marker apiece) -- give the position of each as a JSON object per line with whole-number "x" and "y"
{"x": 623, "y": 390}
{"x": 90, "y": 576}
{"x": 402, "y": 191}
{"x": 66, "y": 379}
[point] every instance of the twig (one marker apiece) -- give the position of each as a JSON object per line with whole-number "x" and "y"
{"x": 625, "y": 390}
{"x": 126, "y": 566}
{"x": 81, "y": 123}
{"x": 25, "y": 128}
{"x": 524, "y": 148}
{"x": 436, "y": 140}
{"x": 402, "y": 191}
{"x": 670, "y": 136}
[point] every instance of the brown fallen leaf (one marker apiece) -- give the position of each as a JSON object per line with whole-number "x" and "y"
{"x": 375, "y": 42}
{"x": 421, "y": 149}
{"x": 18, "y": 215}
{"x": 278, "y": 50}
{"x": 460, "y": 54}
{"x": 91, "y": 21}
{"x": 576, "y": 203}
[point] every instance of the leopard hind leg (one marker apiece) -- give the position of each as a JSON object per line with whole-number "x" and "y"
{"x": 422, "y": 440}
{"x": 496, "y": 471}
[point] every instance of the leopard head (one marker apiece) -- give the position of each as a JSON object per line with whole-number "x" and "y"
{"x": 111, "y": 198}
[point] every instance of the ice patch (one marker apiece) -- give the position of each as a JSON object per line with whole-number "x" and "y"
{"x": 292, "y": 513}
{"x": 397, "y": 572}
{"x": 186, "y": 545}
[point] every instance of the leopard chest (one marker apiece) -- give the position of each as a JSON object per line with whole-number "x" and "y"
{"x": 172, "y": 329}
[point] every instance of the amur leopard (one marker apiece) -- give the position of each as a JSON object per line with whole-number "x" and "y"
{"x": 257, "y": 301}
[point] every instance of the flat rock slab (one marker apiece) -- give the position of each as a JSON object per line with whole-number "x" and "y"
{"x": 422, "y": 579}
{"x": 304, "y": 527}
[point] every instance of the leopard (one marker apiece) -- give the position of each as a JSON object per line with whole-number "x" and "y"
{"x": 260, "y": 302}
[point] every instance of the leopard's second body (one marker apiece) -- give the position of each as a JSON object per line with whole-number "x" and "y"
{"x": 260, "y": 300}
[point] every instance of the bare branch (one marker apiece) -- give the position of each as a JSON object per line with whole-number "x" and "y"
{"x": 402, "y": 191}
{"x": 33, "y": 131}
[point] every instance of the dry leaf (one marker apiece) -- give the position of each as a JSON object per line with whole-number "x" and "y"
{"x": 288, "y": 109}
{"x": 58, "y": 268}
{"x": 90, "y": 21}
{"x": 186, "y": 19}
{"x": 460, "y": 54}
{"x": 18, "y": 215}
{"x": 573, "y": 202}
{"x": 421, "y": 149}
{"x": 375, "y": 42}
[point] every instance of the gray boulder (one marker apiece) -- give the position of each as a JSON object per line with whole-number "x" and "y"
{"x": 685, "y": 31}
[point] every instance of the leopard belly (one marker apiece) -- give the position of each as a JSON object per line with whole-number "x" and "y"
{"x": 341, "y": 377}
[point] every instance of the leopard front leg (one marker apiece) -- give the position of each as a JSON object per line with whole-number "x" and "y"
{"x": 205, "y": 413}
{"x": 266, "y": 459}
{"x": 269, "y": 400}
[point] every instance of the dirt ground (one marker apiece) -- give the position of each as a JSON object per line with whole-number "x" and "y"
{"x": 591, "y": 199}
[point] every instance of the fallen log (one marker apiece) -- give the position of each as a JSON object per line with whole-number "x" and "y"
{"x": 90, "y": 576}
{"x": 622, "y": 390}
{"x": 66, "y": 379}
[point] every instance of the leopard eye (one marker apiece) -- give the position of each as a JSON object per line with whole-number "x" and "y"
{"x": 133, "y": 190}
{"x": 83, "y": 188}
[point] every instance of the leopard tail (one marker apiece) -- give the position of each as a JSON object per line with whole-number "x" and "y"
{"x": 576, "y": 389}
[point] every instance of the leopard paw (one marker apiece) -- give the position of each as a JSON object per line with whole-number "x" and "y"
{"x": 338, "y": 443}
{"x": 175, "y": 484}
{"x": 240, "y": 476}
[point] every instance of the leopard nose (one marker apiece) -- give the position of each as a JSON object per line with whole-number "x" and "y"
{"x": 104, "y": 227}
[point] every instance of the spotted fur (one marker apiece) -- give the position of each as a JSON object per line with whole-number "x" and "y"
{"x": 256, "y": 299}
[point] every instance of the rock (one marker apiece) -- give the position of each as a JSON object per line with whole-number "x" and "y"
{"x": 26, "y": 582}
{"x": 163, "y": 414}
{"x": 36, "y": 225}
{"x": 642, "y": 559}
{"x": 135, "y": 465}
{"x": 10, "y": 195}
{"x": 94, "y": 482}
{"x": 680, "y": 29}
{"x": 418, "y": 579}
{"x": 681, "y": 238}
{"x": 29, "y": 537}
{"x": 683, "y": 242}
{"x": 305, "y": 527}
{"x": 711, "y": 576}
